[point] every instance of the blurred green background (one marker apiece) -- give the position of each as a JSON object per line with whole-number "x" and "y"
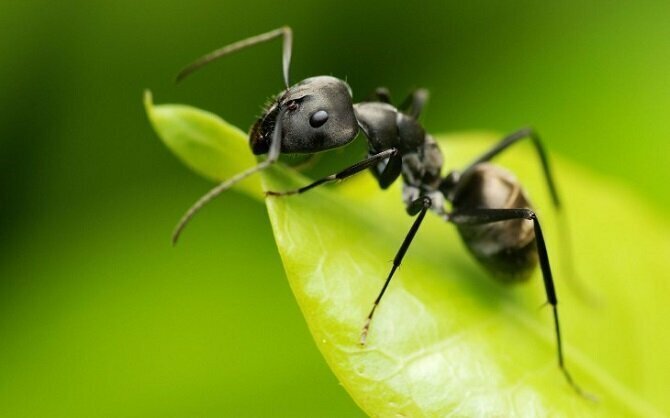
{"x": 100, "y": 317}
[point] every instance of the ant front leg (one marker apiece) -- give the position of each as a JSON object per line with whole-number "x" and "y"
{"x": 420, "y": 206}
{"x": 387, "y": 171}
{"x": 485, "y": 216}
{"x": 341, "y": 175}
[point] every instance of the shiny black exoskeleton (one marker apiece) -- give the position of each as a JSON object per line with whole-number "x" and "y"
{"x": 488, "y": 205}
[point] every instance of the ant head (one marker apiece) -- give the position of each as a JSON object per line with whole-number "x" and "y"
{"x": 317, "y": 115}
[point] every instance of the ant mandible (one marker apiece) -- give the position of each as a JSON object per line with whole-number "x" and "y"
{"x": 489, "y": 206}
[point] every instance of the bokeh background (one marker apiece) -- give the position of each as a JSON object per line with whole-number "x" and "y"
{"x": 101, "y": 317}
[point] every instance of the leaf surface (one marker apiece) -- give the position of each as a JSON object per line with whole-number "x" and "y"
{"x": 447, "y": 339}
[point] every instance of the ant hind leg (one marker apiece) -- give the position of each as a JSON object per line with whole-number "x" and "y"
{"x": 485, "y": 216}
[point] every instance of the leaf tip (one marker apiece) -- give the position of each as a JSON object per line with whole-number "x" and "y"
{"x": 148, "y": 100}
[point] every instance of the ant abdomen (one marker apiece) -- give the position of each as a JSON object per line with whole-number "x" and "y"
{"x": 507, "y": 249}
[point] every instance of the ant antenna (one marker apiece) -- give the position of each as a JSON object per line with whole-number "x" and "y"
{"x": 275, "y": 145}
{"x": 273, "y": 156}
{"x": 284, "y": 31}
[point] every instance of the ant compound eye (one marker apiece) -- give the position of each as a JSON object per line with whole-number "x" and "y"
{"x": 292, "y": 105}
{"x": 318, "y": 118}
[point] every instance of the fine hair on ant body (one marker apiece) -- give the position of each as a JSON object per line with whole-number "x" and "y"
{"x": 488, "y": 205}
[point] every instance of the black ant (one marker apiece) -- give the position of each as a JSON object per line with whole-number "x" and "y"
{"x": 489, "y": 206}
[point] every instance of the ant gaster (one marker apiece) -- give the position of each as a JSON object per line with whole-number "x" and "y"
{"x": 489, "y": 207}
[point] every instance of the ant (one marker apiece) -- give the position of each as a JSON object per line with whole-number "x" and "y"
{"x": 489, "y": 206}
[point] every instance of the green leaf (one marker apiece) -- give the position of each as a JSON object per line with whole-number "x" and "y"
{"x": 206, "y": 143}
{"x": 448, "y": 340}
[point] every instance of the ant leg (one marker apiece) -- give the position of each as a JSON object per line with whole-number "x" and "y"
{"x": 284, "y": 31}
{"x": 381, "y": 94}
{"x": 576, "y": 285}
{"x": 512, "y": 139}
{"x": 347, "y": 172}
{"x": 420, "y": 206}
{"x": 413, "y": 104}
{"x": 388, "y": 173}
{"x": 485, "y": 216}
{"x": 273, "y": 156}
